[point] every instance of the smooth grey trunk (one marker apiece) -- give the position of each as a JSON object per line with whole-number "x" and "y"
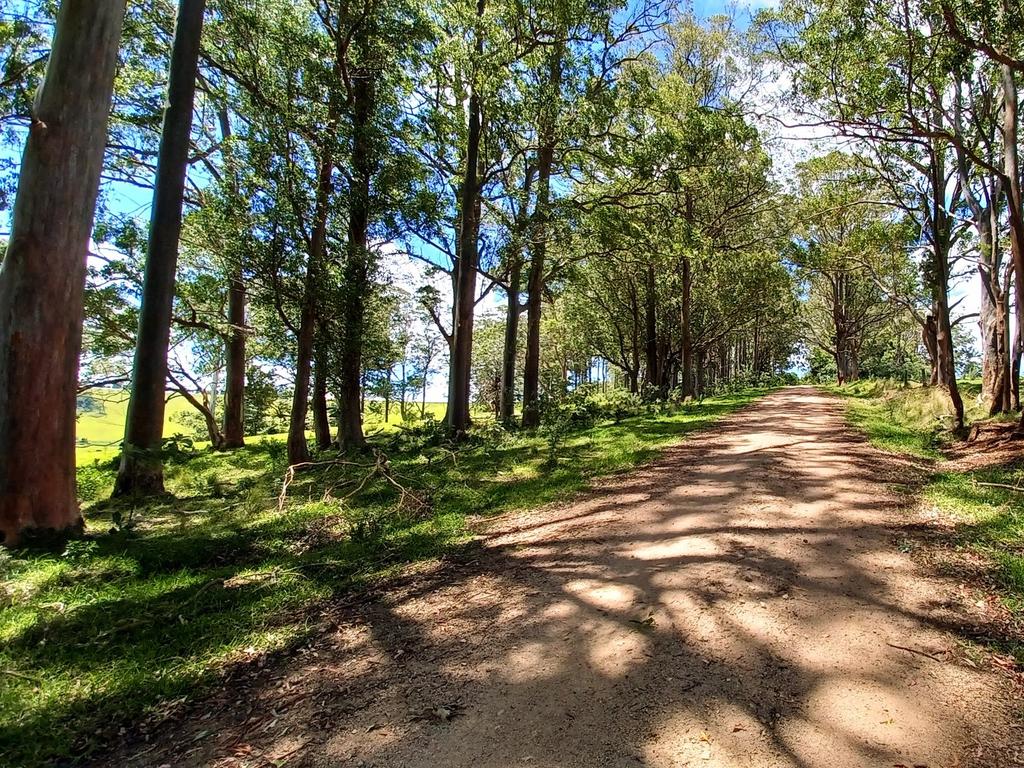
{"x": 942, "y": 226}
{"x": 141, "y": 470}
{"x": 1011, "y": 170}
{"x": 465, "y": 273}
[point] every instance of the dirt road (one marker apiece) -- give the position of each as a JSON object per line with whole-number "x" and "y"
{"x": 741, "y": 602}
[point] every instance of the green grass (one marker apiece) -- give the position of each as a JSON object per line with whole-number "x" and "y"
{"x": 100, "y": 429}
{"x": 988, "y": 520}
{"x": 181, "y": 590}
{"x": 911, "y": 420}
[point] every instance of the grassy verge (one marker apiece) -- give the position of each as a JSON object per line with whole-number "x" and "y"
{"x": 102, "y": 414}
{"x": 159, "y": 599}
{"x": 987, "y": 516}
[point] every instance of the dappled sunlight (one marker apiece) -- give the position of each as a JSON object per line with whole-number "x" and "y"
{"x": 530, "y": 662}
{"x": 615, "y": 597}
{"x": 676, "y": 548}
{"x": 652, "y": 623}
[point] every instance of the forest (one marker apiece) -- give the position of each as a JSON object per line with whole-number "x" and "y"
{"x": 326, "y": 315}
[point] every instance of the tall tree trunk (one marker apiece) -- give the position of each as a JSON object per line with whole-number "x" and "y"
{"x": 1011, "y": 168}
{"x": 465, "y": 272}
{"x": 42, "y": 278}
{"x": 995, "y": 373}
{"x": 357, "y": 266}
{"x": 298, "y": 447}
{"x": 514, "y": 309}
{"x": 507, "y": 406}
{"x": 941, "y": 226}
{"x": 651, "y": 335}
{"x": 686, "y": 328}
{"x": 929, "y": 337}
{"x": 847, "y": 362}
{"x": 141, "y": 470}
{"x": 321, "y": 416}
{"x": 234, "y": 393}
{"x": 540, "y": 234}
{"x": 235, "y": 429}
{"x": 946, "y": 356}
{"x": 534, "y": 308}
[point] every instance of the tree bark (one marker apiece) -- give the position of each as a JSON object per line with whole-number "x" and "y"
{"x": 996, "y": 354}
{"x": 1011, "y": 169}
{"x": 141, "y": 470}
{"x": 929, "y": 336}
{"x": 540, "y": 233}
{"x": 686, "y": 329}
{"x": 651, "y": 335}
{"x": 321, "y": 416}
{"x": 467, "y": 262}
{"x": 298, "y": 447}
{"x": 234, "y": 394}
{"x": 42, "y": 278}
{"x": 514, "y": 311}
{"x": 357, "y": 266}
{"x": 941, "y": 234}
{"x": 507, "y": 405}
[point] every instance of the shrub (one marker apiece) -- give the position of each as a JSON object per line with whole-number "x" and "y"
{"x": 94, "y": 481}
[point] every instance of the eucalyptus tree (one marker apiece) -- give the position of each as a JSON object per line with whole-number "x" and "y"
{"x": 42, "y": 277}
{"x": 283, "y": 70}
{"x": 141, "y": 470}
{"x": 846, "y": 236}
{"x": 375, "y": 46}
{"x": 210, "y": 183}
{"x": 462, "y": 94}
{"x": 882, "y": 74}
{"x": 995, "y": 32}
{"x": 581, "y": 48}
{"x": 977, "y": 105}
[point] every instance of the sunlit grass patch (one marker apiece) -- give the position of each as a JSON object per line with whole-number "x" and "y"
{"x": 989, "y": 518}
{"x": 908, "y": 419}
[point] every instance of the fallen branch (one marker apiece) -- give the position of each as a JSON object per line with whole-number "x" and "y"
{"x": 1000, "y": 485}
{"x": 381, "y": 468}
{"x": 915, "y": 650}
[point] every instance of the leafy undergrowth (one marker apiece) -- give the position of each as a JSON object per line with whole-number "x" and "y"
{"x": 985, "y": 512}
{"x": 159, "y": 599}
